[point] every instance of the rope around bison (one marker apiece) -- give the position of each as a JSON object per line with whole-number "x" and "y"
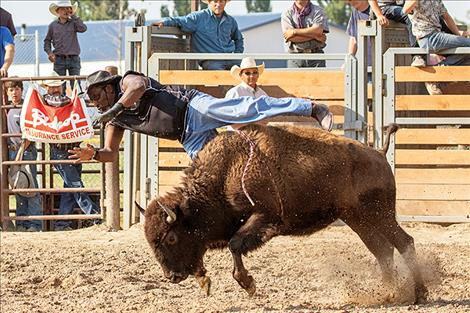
{"x": 245, "y": 170}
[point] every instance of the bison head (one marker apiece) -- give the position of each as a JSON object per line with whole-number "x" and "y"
{"x": 175, "y": 238}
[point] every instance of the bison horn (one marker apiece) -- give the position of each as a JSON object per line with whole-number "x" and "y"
{"x": 171, "y": 218}
{"x": 141, "y": 209}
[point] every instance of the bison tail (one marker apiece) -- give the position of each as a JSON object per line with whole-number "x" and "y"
{"x": 391, "y": 129}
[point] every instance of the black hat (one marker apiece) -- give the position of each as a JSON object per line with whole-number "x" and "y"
{"x": 101, "y": 78}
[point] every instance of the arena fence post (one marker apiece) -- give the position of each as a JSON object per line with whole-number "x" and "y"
{"x": 112, "y": 194}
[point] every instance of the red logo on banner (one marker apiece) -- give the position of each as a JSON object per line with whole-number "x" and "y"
{"x": 45, "y": 123}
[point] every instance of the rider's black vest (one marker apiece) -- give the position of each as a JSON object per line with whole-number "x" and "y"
{"x": 160, "y": 112}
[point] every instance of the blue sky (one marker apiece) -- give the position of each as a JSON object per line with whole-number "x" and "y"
{"x": 22, "y": 9}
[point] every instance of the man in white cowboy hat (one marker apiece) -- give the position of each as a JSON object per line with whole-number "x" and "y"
{"x": 54, "y": 95}
{"x": 248, "y": 72}
{"x": 213, "y": 31}
{"x": 61, "y": 42}
{"x": 70, "y": 173}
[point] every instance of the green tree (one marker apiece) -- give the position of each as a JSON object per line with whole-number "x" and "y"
{"x": 180, "y": 8}
{"x": 258, "y": 6}
{"x": 337, "y": 11}
{"x": 98, "y": 10}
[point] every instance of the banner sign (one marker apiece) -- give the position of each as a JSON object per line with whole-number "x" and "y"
{"x": 44, "y": 123}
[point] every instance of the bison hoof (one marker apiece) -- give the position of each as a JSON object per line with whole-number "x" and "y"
{"x": 421, "y": 294}
{"x": 205, "y": 284}
{"x": 251, "y": 288}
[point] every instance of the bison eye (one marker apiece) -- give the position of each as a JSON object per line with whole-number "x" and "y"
{"x": 171, "y": 239}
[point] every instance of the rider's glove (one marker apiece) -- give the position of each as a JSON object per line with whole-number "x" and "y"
{"x": 107, "y": 116}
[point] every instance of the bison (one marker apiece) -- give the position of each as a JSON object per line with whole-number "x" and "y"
{"x": 249, "y": 186}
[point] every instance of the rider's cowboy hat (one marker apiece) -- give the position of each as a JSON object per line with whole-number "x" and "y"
{"x": 52, "y": 82}
{"x": 62, "y": 4}
{"x": 245, "y": 64}
{"x": 101, "y": 78}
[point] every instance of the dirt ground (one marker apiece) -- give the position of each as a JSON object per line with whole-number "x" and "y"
{"x": 93, "y": 270}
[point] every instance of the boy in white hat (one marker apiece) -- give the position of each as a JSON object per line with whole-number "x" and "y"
{"x": 213, "y": 31}
{"x": 248, "y": 72}
{"x": 62, "y": 36}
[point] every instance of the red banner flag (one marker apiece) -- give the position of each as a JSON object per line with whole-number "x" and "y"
{"x": 45, "y": 123}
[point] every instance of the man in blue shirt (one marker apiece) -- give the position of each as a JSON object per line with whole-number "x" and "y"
{"x": 7, "y": 50}
{"x": 213, "y": 31}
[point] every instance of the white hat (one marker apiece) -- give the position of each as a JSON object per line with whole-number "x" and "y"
{"x": 245, "y": 64}
{"x": 207, "y": 1}
{"x": 52, "y": 82}
{"x": 62, "y": 4}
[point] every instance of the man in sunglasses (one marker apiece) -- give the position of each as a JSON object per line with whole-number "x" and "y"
{"x": 143, "y": 105}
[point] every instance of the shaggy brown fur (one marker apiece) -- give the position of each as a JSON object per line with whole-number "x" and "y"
{"x": 301, "y": 180}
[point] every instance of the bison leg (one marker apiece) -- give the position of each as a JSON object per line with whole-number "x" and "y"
{"x": 405, "y": 245}
{"x": 377, "y": 244}
{"x": 205, "y": 283}
{"x": 253, "y": 234}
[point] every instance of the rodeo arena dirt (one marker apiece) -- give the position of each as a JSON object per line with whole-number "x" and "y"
{"x": 94, "y": 270}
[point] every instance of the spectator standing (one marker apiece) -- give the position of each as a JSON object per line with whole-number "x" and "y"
{"x": 248, "y": 72}
{"x": 304, "y": 27}
{"x": 213, "y": 31}
{"x": 25, "y": 205}
{"x": 7, "y": 21}
{"x": 62, "y": 35}
{"x": 7, "y": 50}
{"x": 425, "y": 17}
{"x": 70, "y": 173}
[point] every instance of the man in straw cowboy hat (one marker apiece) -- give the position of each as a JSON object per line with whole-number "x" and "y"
{"x": 71, "y": 173}
{"x": 248, "y": 72}
{"x": 213, "y": 31}
{"x": 143, "y": 105}
{"x": 62, "y": 35}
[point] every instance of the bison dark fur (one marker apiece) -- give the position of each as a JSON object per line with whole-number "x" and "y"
{"x": 300, "y": 180}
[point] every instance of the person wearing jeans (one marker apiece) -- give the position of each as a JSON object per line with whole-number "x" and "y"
{"x": 25, "y": 205}
{"x": 425, "y": 17}
{"x": 61, "y": 42}
{"x": 71, "y": 175}
{"x": 141, "y": 104}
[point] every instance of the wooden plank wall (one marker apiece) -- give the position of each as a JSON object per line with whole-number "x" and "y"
{"x": 433, "y": 162}
{"x": 325, "y": 86}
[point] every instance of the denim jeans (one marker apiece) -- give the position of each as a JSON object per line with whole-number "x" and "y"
{"x": 28, "y": 205}
{"x": 438, "y": 41}
{"x": 71, "y": 64}
{"x": 214, "y": 65}
{"x": 71, "y": 175}
{"x": 395, "y": 13}
{"x": 206, "y": 113}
